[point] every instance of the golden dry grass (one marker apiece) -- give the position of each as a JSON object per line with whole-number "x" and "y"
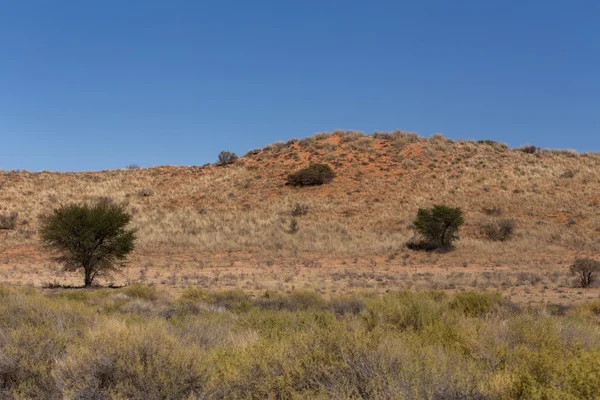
{"x": 198, "y": 225}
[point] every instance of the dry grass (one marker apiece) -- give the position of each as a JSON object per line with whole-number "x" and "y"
{"x": 198, "y": 224}
{"x": 140, "y": 343}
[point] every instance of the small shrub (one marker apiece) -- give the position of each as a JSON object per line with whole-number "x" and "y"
{"x": 233, "y": 300}
{"x": 499, "y": 231}
{"x": 347, "y": 305}
{"x": 492, "y": 211}
{"x": 252, "y": 152}
{"x": 133, "y": 166}
{"x": 315, "y": 174}
{"x": 9, "y": 221}
{"x": 529, "y": 149}
{"x": 300, "y": 300}
{"x": 141, "y": 292}
{"x": 438, "y": 226}
{"x": 586, "y": 269}
{"x": 473, "y": 304}
{"x": 299, "y": 210}
{"x": 227, "y": 157}
{"x": 488, "y": 142}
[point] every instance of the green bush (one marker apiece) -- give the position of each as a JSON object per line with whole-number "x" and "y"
{"x": 227, "y": 157}
{"x": 474, "y": 304}
{"x": 315, "y": 174}
{"x": 437, "y": 227}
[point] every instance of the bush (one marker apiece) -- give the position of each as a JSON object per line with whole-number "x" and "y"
{"x": 91, "y": 238}
{"x": 437, "y": 226}
{"x": 299, "y": 210}
{"x": 473, "y": 304}
{"x": 227, "y": 157}
{"x": 315, "y": 174}
{"x": 529, "y": 149}
{"x": 586, "y": 269}
{"x": 499, "y": 231}
{"x": 8, "y": 221}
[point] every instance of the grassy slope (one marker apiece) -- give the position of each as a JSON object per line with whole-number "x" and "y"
{"x": 240, "y": 214}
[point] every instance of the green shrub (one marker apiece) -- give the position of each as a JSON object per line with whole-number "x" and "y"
{"x": 227, "y": 157}
{"x": 234, "y": 300}
{"x": 315, "y": 174}
{"x": 473, "y": 304}
{"x": 141, "y": 292}
{"x": 586, "y": 269}
{"x": 437, "y": 226}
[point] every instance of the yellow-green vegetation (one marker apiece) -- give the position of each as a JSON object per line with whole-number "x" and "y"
{"x": 136, "y": 343}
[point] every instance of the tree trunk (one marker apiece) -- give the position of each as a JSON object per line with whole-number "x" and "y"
{"x": 88, "y": 278}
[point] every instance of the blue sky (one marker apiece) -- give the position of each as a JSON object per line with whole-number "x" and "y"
{"x": 88, "y": 85}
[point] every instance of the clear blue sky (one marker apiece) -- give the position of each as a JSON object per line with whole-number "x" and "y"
{"x": 87, "y": 85}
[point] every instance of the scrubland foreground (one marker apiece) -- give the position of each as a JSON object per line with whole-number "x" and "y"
{"x": 138, "y": 343}
{"x": 238, "y": 225}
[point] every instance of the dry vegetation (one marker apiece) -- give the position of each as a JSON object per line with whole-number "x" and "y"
{"x": 235, "y": 225}
{"x": 138, "y": 343}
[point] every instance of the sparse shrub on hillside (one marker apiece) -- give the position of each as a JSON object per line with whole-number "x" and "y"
{"x": 323, "y": 135}
{"x": 529, "y": 149}
{"x": 92, "y": 238}
{"x": 437, "y": 137}
{"x": 133, "y": 166}
{"x": 492, "y": 211}
{"x": 500, "y": 230}
{"x": 493, "y": 144}
{"x": 487, "y": 141}
{"x": 227, "y": 157}
{"x": 307, "y": 141}
{"x": 401, "y": 139}
{"x": 294, "y": 226}
{"x": 587, "y": 270}
{"x": 252, "y": 152}
{"x": 315, "y": 174}
{"x": 437, "y": 227}
{"x": 299, "y": 210}
{"x": 348, "y": 136}
{"x": 145, "y": 192}
{"x": 9, "y": 221}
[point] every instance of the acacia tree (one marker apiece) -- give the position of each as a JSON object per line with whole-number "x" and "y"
{"x": 91, "y": 238}
{"x": 439, "y": 225}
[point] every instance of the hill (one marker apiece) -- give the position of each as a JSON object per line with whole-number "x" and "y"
{"x": 231, "y": 225}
